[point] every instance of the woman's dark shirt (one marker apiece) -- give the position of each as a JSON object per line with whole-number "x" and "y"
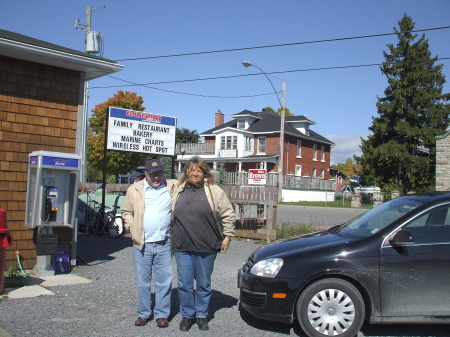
{"x": 194, "y": 227}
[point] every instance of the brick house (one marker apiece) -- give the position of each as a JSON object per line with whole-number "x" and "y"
{"x": 42, "y": 88}
{"x": 251, "y": 140}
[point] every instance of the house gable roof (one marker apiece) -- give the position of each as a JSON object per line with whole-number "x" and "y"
{"x": 267, "y": 123}
{"x": 26, "y": 48}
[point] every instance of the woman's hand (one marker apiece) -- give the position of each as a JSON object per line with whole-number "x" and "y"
{"x": 225, "y": 245}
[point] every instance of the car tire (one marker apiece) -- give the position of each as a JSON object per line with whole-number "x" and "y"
{"x": 330, "y": 307}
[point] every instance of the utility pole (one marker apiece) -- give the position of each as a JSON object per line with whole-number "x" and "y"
{"x": 280, "y": 164}
{"x": 82, "y": 116}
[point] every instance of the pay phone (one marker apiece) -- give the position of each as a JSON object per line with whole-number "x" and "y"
{"x": 52, "y": 194}
{"x": 52, "y": 191}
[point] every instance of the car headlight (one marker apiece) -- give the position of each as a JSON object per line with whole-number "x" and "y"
{"x": 267, "y": 268}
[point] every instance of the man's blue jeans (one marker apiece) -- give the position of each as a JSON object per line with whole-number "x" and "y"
{"x": 199, "y": 267}
{"x": 156, "y": 256}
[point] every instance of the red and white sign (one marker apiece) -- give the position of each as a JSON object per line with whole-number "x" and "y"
{"x": 257, "y": 177}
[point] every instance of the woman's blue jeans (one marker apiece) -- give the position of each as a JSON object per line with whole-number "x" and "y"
{"x": 156, "y": 256}
{"x": 199, "y": 267}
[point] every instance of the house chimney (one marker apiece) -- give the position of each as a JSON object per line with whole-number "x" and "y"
{"x": 220, "y": 118}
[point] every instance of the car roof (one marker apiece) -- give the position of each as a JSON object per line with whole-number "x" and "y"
{"x": 430, "y": 197}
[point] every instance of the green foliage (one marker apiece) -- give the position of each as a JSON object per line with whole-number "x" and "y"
{"x": 118, "y": 162}
{"x": 184, "y": 136}
{"x": 349, "y": 168}
{"x": 270, "y": 110}
{"x": 288, "y": 229}
{"x": 401, "y": 151}
{"x": 222, "y": 178}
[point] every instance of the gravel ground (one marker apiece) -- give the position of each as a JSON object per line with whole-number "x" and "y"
{"x": 107, "y": 306}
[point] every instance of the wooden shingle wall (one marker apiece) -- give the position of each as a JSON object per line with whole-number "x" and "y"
{"x": 38, "y": 111}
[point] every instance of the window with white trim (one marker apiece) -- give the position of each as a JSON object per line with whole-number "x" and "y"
{"x": 248, "y": 143}
{"x": 315, "y": 152}
{"x": 299, "y": 148}
{"x": 322, "y": 153}
{"x": 241, "y": 123}
{"x": 228, "y": 142}
{"x": 262, "y": 145}
{"x": 314, "y": 173}
{"x": 298, "y": 170}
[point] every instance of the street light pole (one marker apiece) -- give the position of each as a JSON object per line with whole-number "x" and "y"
{"x": 282, "y": 105}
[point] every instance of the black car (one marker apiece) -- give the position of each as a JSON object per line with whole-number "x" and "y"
{"x": 390, "y": 265}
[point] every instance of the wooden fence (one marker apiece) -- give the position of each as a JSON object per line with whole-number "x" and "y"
{"x": 255, "y": 208}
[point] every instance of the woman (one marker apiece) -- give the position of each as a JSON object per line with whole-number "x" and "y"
{"x": 203, "y": 225}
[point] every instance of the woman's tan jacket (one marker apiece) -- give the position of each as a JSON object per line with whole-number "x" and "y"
{"x": 222, "y": 209}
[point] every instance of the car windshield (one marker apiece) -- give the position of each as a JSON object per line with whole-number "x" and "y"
{"x": 379, "y": 217}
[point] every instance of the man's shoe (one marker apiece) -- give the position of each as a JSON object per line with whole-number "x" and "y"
{"x": 185, "y": 324}
{"x": 141, "y": 321}
{"x": 202, "y": 323}
{"x": 162, "y": 322}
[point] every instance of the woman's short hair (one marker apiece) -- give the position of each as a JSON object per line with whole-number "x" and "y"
{"x": 202, "y": 164}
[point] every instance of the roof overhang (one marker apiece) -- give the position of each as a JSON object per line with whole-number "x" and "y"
{"x": 92, "y": 67}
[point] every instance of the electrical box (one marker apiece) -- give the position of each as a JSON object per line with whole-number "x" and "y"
{"x": 93, "y": 40}
{"x": 52, "y": 189}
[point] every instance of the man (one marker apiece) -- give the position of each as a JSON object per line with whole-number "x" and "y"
{"x": 147, "y": 213}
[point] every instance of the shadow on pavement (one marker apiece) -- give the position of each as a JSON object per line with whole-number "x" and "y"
{"x": 96, "y": 249}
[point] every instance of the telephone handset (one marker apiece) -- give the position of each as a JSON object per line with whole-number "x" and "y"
{"x": 48, "y": 210}
{"x": 48, "y": 207}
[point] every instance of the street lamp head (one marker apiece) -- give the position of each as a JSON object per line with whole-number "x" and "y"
{"x": 246, "y": 64}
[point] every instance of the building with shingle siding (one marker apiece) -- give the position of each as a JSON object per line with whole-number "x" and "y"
{"x": 42, "y": 89}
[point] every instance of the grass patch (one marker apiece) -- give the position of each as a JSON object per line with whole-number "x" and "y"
{"x": 335, "y": 203}
{"x": 288, "y": 229}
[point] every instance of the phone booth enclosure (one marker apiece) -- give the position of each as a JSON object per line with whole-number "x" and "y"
{"x": 52, "y": 189}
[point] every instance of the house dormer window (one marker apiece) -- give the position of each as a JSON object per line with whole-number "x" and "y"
{"x": 241, "y": 123}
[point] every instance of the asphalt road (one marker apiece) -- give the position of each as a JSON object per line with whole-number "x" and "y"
{"x": 320, "y": 217}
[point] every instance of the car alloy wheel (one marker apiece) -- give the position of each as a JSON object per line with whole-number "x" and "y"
{"x": 330, "y": 307}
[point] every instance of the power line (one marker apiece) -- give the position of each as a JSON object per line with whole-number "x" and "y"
{"x": 146, "y": 85}
{"x": 177, "y": 92}
{"x": 278, "y": 45}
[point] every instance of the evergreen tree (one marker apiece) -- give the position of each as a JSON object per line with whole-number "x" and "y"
{"x": 401, "y": 151}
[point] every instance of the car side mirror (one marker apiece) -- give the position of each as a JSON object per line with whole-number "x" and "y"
{"x": 402, "y": 238}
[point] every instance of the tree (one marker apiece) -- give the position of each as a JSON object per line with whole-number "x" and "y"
{"x": 349, "y": 168}
{"x": 118, "y": 162}
{"x": 270, "y": 110}
{"x": 402, "y": 149}
{"x": 184, "y": 135}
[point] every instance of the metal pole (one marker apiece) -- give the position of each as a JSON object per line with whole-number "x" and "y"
{"x": 283, "y": 113}
{"x": 280, "y": 164}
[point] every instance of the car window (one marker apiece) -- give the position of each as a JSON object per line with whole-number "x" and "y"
{"x": 432, "y": 226}
{"x": 379, "y": 217}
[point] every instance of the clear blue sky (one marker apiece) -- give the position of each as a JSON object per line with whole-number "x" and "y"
{"x": 340, "y": 101}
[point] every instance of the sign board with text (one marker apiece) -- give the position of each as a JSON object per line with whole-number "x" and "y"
{"x": 140, "y": 131}
{"x": 257, "y": 177}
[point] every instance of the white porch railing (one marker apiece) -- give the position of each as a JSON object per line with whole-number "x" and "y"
{"x": 289, "y": 181}
{"x": 195, "y": 149}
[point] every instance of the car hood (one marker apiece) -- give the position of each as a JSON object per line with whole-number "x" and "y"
{"x": 297, "y": 243}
